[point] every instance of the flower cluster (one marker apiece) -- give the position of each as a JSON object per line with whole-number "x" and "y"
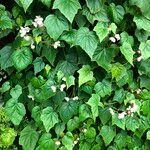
{"x": 115, "y": 38}
{"x": 56, "y": 44}
{"x": 74, "y": 98}
{"x": 38, "y": 22}
{"x": 23, "y": 32}
{"x": 129, "y": 111}
{"x": 140, "y": 57}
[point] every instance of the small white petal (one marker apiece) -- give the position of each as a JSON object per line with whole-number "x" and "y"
{"x": 53, "y": 88}
{"x": 57, "y": 143}
{"x": 139, "y": 58}
{"x": 121, "y": 115}
{"x": 67, "y": 99}
{"x": 112, "y": 39}
{"x": 117, "y": 36}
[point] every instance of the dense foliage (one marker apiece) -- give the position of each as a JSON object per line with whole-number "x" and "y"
{"x": 75, "y": 74}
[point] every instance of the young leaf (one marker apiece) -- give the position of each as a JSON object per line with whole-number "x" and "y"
{"x": 5, "y": 57}
{"x": 85, "y": 74}
{"x": 108, "y": 133}
{"x": 94, "y": 6}
{"x": 68, "y": 141}
{"x": 127, "y": 51}
{"x": 22, "y": 58}
{"x": 68, "y": 110}
{"x": 38, "y": 65}
{"x": 131, "y": 123}
{"x": 68, "y": 8}
{"x": 16, "y": 91}
{"x": 73, "y": 124}
{"x": 103, "y": 88}
{"x": 28, "y": 138}
{"x": 55, "y": 25}
{"x": 87, "y": 40}
{"x": 94, "y": 102}
{"x": 101, "y": 30}
{"x": 145, "y": 49}
{"x": 46, "y": 142}
{"x": 49, "y": 118}
{"x": 15, "y": 111}
{"x": 26, "y": 4}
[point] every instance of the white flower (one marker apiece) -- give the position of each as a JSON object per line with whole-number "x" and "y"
{"x": 75, "y": 142}
{"x": 84, "y": 130}
{"x": 62, "y": 87}
{"x": 139, "y": 52}
{"x": 67, "y": 99}
{"x": 111, "y": 111}
{"x": 112, "y": 39}
{"x": 53, "y": 88}
{"x": 27, "y": 38}
{"x": 134, "y": 108}
{"x": 56, "y": 44}
{"x": 38, "y": 22}
{"x": 64, "y": 79}
{"x": 117, "y": 36}
{"x": 78, "y": 139}
{"x": 29, "y": 96}
{"x": 32, "y": 46}
{"x": 57, "y": 143}
{"x": 23, "y": 31}
{"x": 75, "y": 98}
{"x": 139, "y": 58}
{"x": 138, "y": 91}
{"x": 121, "y": 115}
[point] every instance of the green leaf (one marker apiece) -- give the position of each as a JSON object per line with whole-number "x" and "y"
{"x": 103, "y": 56}
{"x": 59, "y": 128}
{"x": 55, "y": 25}
{"x": 118, "y": 122}
{"x": 68, "y": 141}
{"x": 146, "y": 107}
{"x": 104, "y": 115}
{"x": 90, "y": 134}
{"x": 100, "y": 16}
{"x": 46, "y": 142}
{"x": 145, "y": 47}
{"x": 148, "y": 135}
{"x": 125, "y": 38}
{"x": 69, "y": 37}
{"x": 5, "y": 87}
{"x": 49, "y": 118}
{"x": 70, "y": 80}
{"x": 28, "y": 138}
{"x": 94, "y": 102}
{"x": 36, "y": 113}
{"x": 127, "y": 51}
{"x": 142, "y": 22}
{"x": 94, "y": 6}
{"x": 16, "y": 91}
{"x": 26, "y": 4}
{"x": 5, "y": 22}
{"x": 103, "y": 88}
{"x": 49, "y": 53}
{"x": 47, "y": 2}
{"x": 73, "y": 124}
{"x": 22, "y": 58}
{"x": 117, "y": 12}
{"x": 119, "y": 95}
{"x": 84, "y": 112}
{"x": 68, "y": 8}
{"x": 38, "y": 65}
{"x": 68, "y": 110}
{"x": 5, "y": 57}
{"x": 132, "y": 123}
{"x": 101, "y": 30}
{"x": 87, "y": 40}
{"x": 85, "y": 74}
{"x": 118, "y": 71}
{"x": 15, "y": 111}
{"x": 108, "y": 133}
